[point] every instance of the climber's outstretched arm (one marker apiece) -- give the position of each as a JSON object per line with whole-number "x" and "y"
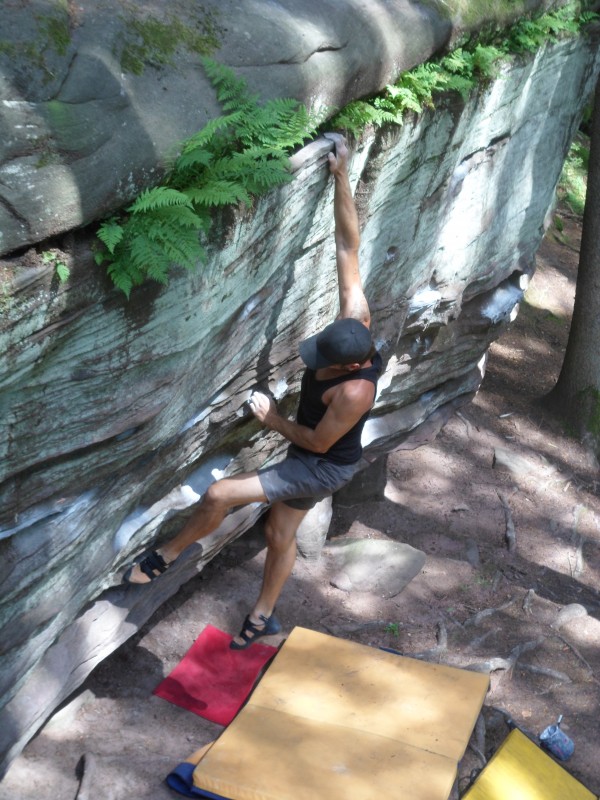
{"x": 353, "y": 302}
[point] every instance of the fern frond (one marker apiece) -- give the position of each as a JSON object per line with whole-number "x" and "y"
{"x": 389, "y": 110}
{"x": 461, "y": 84}
{"x": 176, "y": 246}
{"x": 124, "y": 273}
{"x": 458, "y": 62}
{"x": 62, "y": 271}
{"x": 405, "y": 98}
{"x": 159, "y": 197}
{"x": 120, "y": 277}
{"x": 267, "y": 174}
{"x": 232, "y": 92}
{"x": 589, "y": 16}
{"x": 178, "y": 216}
{"x": 193, "y": 157}
{"x": 485, "y": 60}
{"x": 218, "y": 193}
{"x": 355, "y": 116}
{"x": 283, "y": 123}
{"x": 148, "y": 257}
{"x": 557, "y": 26}
{"x": 423, "y": 80}
{"x": 209, "y": 131}
{"x": 110, "y": 233}
{"x": 244, "y": 159}
{"x": 100, "y": 255}
{"x": 526, "y": 36}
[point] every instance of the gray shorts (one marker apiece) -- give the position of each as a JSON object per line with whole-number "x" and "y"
{"x": 302, "y": 479}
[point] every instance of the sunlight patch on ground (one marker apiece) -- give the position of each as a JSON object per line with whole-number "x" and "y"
{"x": 363, "y": 605}
{"x": 447, "y": 575}
{"x": 539, "y": 296}
{"x": 35, "y": 777}
{"x": 531, "y": 347}
{"x": 554, "y": 555}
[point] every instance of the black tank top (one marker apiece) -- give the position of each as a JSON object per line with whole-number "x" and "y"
{"x": 311, "y": 409}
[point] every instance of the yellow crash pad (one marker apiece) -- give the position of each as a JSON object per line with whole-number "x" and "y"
{"x": 520, "y": 770}
{"x": 338, "y": 720}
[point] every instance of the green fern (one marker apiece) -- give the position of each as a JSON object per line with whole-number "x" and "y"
{"x": 236, "y": 157}
{"x": 62, "y": 271}
{"x": 405, "y": 98}
{"x": 244, "y": 153}
{"x": 110, "y": 234}
{"x": 461, "y": 70}
{"x": 159, "y": 197}
{"x": 232, "y": 92}
{"x": 359, "y": 113}
{"x": 218, "y": 192}
{"x": 486, "y": 60}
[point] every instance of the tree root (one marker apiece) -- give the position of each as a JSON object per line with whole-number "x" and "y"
{"x": 579, "y": 656}
{"x": 479, "y": 640}
{"x": 487, "y": 612}
{"x": 510, "y": 535}
{"x": 507, "y": 664}
{"x": 578, "y": 540}
{"x": 527, "y": 601}
{"x": 440, "y": 648}
{"x": 548, "y": 673}
{"x": 478, "y": 746}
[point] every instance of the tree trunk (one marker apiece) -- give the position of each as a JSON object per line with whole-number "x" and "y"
{"x": 577, "y": 391}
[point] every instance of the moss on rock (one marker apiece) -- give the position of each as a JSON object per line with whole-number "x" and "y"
{"x": 154, "y": 42}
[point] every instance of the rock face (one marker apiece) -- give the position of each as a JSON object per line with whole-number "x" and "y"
{"x": 95, "y": 96}
{"x": 116, "y": 415}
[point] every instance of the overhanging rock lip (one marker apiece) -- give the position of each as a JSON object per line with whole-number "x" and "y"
{"x": 407, "y": 36}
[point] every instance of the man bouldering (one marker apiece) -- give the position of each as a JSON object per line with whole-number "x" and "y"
{"x": 337, "y": 393}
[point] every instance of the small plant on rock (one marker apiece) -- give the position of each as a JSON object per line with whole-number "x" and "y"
{"x": 234, "y": 158}
{"x": 61, "y": 269}
{"x": 393, "y": 628}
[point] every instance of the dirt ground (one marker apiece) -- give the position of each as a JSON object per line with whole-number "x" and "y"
{"x": 530, "y": 613}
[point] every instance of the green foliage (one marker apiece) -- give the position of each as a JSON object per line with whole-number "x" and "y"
{"x": 244, "y": 153}
{"x": 359, "y": 113}
{"x": 52, "y": 258}
{"x": 528, "y": 35}
{"x": 572, "y": 186}
{"x": 234, "y": 158}
{"x": 474, "y": 63}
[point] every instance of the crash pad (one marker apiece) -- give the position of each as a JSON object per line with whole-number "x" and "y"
{"x": 520, "y": 770}
{"x": 335, "y": 719}
{"x": 212, "y": 680}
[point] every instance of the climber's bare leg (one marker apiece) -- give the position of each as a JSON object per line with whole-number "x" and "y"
{"x": 217, "y": 500}
{"x": 280, "y": 530}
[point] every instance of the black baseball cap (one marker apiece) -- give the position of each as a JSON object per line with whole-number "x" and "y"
{"x": 345, "y": 341}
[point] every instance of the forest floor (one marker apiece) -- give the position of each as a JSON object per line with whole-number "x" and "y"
{"x": 531, "y": 611}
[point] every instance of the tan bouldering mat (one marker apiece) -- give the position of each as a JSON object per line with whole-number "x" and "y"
{"x": 334, "y": 719}
{"x": 268, "y": 754}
